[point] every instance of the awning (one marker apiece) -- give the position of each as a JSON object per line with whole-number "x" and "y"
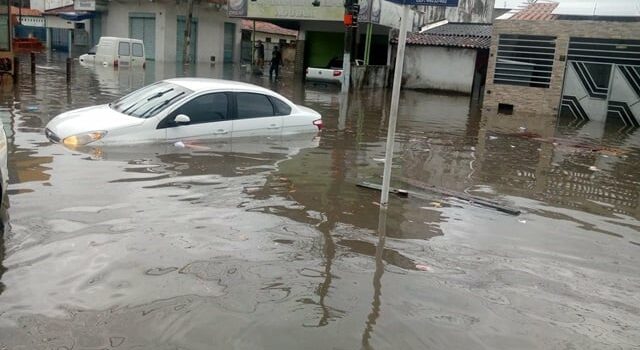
{"x": 77, "y": 16}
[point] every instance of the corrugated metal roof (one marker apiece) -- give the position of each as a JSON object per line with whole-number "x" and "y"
{"x": 467, "y": 35}
{"x": 603, "y": 8}
{"x": 542, "y": 11}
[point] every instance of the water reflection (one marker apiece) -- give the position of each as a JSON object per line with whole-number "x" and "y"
{"x": 377, "y": 281}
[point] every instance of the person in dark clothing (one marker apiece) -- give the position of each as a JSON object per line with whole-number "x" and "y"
{"x": 276, "y": 61}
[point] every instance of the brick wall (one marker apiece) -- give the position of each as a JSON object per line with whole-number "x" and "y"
{"x": 546, "y": 101}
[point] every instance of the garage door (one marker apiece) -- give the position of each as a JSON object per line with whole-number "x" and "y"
{"x": 143, "y": 26}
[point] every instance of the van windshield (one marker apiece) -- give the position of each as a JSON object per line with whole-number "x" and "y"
{"x": 150, "y": 100}
{"x": 92, "y": 51}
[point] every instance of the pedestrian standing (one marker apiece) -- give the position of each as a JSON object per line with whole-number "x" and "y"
{"x": 276, "y": 61}
{"x": 260, "y": 54}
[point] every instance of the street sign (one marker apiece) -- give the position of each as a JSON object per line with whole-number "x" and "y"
{"x": 447, "y": 3}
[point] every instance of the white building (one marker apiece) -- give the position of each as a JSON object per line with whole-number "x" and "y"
{"x": 160, "y": 24}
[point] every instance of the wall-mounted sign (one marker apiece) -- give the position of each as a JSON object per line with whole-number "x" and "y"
{"x": 448, "y": 3}
{"x": 90, "y": 5}
{"x": 329, "y": 10}
{"x": 370, "y": 11}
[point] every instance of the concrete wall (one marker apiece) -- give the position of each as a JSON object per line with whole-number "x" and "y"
{"x": 439, "y": 68}
{"x": 275, "y": 38}
{"x": 546, "y": 100}
{"x": 49, "y": 4}
{"x": 370, "y": 77}
{"x": 210, "y": 28}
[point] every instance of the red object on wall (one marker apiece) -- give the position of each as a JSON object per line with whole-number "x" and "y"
{"x": 348, "y": 19}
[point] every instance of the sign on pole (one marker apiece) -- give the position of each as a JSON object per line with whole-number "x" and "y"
{"x": 397, "y": 82}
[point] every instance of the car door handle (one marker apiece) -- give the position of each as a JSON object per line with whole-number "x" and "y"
{"x": 222, "y": 131}
{"x": 274, "y": 126}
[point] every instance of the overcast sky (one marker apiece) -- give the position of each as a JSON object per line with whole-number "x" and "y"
{"x": 509, "y": 4}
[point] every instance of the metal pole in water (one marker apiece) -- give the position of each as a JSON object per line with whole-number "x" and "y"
{"x": 32, "y": 56}
{"x": 395, "y": 100}
{"x": 68, "y": 70}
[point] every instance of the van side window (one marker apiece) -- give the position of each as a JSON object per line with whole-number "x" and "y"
{"x": 124, "y": 49}
{"x": 137, "y": 50}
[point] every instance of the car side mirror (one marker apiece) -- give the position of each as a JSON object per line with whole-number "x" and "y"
{"x": 182, "y": 119}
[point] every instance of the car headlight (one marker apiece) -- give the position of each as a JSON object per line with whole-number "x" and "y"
{"x": 84, "y": 139}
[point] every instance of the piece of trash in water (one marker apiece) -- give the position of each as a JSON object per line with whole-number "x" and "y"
{"x": 381, "y": 160}
{"x": 32, "y": 108}
{"x": 523, "y": 128}
{"x": 594, "y": 168}
{"x": 179, "y": 144}
{"x": 421, "y": 267}
{"x": 512, "y": 146}
{"x": 522, "y": 221}
{"x": 493, "y": 138}
{"x": 376, "y": 203}
{"x": 436, "y": 204}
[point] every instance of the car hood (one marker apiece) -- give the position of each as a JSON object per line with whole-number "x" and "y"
{"x": 97, "y": 118}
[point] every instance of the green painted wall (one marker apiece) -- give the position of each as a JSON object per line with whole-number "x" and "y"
{"x": 321, "y": 47}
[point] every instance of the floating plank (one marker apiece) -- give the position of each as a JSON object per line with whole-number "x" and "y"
{"x": 423, "y": 186}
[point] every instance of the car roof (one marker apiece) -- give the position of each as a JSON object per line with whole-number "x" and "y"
{"x": 206, "y": 84}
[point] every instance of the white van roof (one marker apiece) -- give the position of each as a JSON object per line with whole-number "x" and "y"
{"x": 113, "y": 38}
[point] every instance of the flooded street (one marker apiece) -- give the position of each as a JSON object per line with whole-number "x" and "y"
{"x": 269, "y": 244}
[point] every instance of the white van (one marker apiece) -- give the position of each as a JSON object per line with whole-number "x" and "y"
{"x": 123, "y": 52}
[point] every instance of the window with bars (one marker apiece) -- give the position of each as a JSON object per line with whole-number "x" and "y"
{"x": 525, "y": 60}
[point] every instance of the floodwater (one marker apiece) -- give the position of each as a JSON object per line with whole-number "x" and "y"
{"x": 269, "y": 244}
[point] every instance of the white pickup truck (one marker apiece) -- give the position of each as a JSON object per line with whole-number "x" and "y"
{"x": 332, "y": 73}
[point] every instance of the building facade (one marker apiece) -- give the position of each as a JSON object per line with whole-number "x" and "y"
{"x": 586, "y": 67}
{"x": 161, "y": 24}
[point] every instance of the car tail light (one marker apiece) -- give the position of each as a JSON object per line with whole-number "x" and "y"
{"x": 144, "y": 65}
{"x": 318, "y": 124}
{"x": 337, "y": 73}
{"x": 115, "y": 63}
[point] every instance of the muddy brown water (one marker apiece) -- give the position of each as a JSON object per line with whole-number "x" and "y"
{"x": 268, "y": 244}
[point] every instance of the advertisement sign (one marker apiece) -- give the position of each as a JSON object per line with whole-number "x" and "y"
{"x": 370, "y": 11}
{"x": 90, "y": 5}
{"x": 84, "y": 5}
{"x": 447, "y": 3}
{"x": 328, "y": 10}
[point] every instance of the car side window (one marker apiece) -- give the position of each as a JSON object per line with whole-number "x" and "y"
{"x": 137, "y": 50}
{"x": 251, "y": 105}
{"x": 280, "y": 106}
{"x": 124, "y": 49}
{"x": 202, "y": 109}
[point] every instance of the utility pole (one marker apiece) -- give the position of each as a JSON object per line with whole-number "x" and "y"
{"x": 186, "y": 57}
{"x": 351, "y": 10}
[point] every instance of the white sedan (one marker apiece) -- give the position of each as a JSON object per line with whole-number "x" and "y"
{"x": 183, "y": 109}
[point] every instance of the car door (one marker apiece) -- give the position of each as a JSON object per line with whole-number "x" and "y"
{"x": 255, "y": 116}
{"x": 209, "y": 119}
{"x": 124, "y": 53}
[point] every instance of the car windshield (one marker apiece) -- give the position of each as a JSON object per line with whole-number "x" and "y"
{"x": 150, "y": 100}
{"x": 92, "y": 51}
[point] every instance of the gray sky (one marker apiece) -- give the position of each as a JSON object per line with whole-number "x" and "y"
{"x": 509, "y": 4}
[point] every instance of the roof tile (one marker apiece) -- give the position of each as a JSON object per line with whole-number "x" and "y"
{"x": 466, "y": 35}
